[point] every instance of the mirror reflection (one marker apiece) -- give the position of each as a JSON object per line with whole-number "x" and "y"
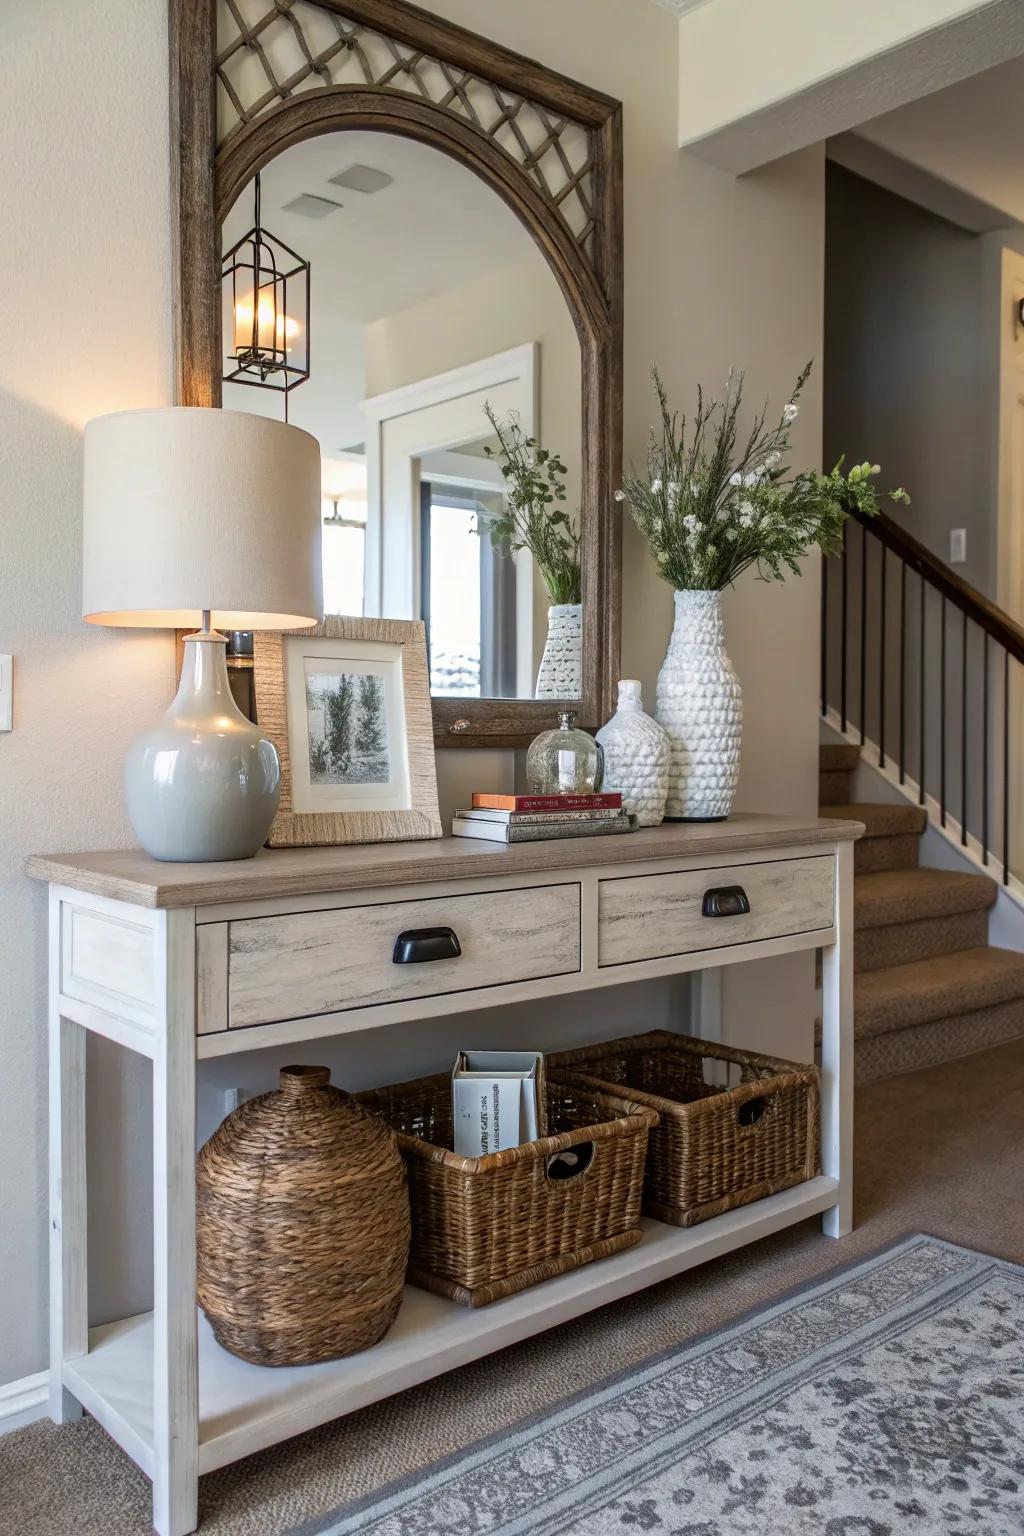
{"x": 379, "y": 295}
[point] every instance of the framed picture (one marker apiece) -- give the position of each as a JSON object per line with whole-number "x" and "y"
{"x": 347, "y": 706}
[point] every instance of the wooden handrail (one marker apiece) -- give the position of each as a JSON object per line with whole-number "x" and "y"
{"x": 968, "y": 599}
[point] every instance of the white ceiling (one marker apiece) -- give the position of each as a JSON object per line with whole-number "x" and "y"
{"x": 436, "y": 227}
{"x": 679, "y": 7}
{"x": 966, "y": 138}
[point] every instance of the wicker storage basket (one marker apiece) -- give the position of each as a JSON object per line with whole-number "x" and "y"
{"x": 486, "y": 1227}
{"x": 302, "y": 1225}
{"x": 714, "y": 1147}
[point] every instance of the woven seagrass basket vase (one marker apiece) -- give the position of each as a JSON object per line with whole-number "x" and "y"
{"x": 302, "y": 1225}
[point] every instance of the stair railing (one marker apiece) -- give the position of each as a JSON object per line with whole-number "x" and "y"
{"x": 925, "y": 671}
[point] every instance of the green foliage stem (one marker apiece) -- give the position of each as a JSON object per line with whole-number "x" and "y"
{"x": 532, "y": 515}
{"x": 714, "y": 503}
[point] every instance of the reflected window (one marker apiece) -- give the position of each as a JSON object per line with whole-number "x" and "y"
{"x": 468, "y": 597}
{"x": 344, "y": 509}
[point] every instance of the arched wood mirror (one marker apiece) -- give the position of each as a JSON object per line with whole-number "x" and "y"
{"x": 442, "y": 219}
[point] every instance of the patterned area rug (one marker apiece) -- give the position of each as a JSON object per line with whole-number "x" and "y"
{"x": 887, "y": 1399}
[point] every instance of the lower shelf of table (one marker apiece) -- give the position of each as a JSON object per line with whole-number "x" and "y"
{"x": 246, "y": 1408}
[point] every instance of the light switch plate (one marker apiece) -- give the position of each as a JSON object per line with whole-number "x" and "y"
{"x": 6, "y": 693}
{"x": 958, "y": 546}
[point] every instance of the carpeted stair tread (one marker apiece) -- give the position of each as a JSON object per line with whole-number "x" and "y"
{"x": 911, "y": 895}
{"x": 834, "y": 788}
{"x": 881, "y": 820}
{"x": 902, "y": 996}
{"x": 925, "y": 1045}
{"x": 837, "y": 757}
{"x": 871, "y": 854}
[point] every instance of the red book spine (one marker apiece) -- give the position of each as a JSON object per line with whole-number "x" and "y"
{"x": 609, "y": 802}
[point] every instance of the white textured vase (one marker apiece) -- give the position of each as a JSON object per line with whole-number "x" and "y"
{"x": 560, "y": 675}
{"x": 700, "y": 704}
{"x": 636, "y": 756}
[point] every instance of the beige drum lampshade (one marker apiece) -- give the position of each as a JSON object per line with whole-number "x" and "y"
{"x": 187, "y": 509}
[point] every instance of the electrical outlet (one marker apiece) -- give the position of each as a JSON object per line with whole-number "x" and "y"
{"x": 958, "y": 546}
{"x": 231, "y": 1098}
{"x": 6, "y": 693}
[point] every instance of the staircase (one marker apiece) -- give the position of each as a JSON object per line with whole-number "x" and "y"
{"x": 928, "y": 986}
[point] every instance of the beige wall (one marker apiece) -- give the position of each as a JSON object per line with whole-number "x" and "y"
{"x": 759, "y": 81}
{"x": 716, "y": 271}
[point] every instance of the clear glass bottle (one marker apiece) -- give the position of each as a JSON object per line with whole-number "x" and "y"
{"x": 564, "y": 762}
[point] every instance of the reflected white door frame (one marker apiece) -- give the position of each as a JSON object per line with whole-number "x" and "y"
{"x": 432, "y": 414}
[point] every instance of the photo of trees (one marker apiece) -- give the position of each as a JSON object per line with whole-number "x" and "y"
{"x": 348, "y": 731}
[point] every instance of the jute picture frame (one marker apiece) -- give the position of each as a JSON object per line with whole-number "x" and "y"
{"x": 347, "y": 705}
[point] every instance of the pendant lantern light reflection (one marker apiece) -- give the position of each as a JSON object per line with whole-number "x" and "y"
{"x": 265, "y": 297}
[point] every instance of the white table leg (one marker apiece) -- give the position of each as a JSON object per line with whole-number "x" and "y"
{"x": 837, "y": 1051}
{"x": 69, "y": 1314}
{"x": 176, "y": 1394}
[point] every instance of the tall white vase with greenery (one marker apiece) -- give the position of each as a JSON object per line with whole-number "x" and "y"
{"x": 699, "y": 702}
{"x": 711, "y": 505}
{"x": 533, "y": 517}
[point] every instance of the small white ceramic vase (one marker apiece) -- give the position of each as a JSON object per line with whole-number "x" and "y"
{"x": 560, "y": 675}
{"x": 700, "y": 704}
{"x": 636, "y": 756}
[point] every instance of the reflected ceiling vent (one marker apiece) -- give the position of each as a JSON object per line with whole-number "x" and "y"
{"x": 307, "y": 206}
{"x": 362, "y": 178}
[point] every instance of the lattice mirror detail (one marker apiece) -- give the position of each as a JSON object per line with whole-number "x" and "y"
{"x": 270, "y": 52}
{"x": 256, "y": 86}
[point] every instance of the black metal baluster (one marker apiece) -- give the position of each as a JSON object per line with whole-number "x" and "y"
{"x": 824, "y": 635}
{"x": 842, "y": 641}
{"x": 984, "y": 751}
{"x": 920, "y": 711}
{"x": 942, "y": 718}
{"x": 903, "y": 666}
{"x": 963, "y": 735}
{"x": 883, "y": 665}
{"x": 863, "y": 626}
{"x": 1006, "y": 767}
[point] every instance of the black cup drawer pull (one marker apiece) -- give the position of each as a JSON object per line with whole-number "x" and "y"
{"x": 418, "y": 945}
{"x": 725, "y": 901}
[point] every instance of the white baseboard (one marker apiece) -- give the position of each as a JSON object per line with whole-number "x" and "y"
{"x": 24, "y": 1401}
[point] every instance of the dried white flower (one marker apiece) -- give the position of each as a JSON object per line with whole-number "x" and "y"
{"x": 773, "y": 460}
{"x": 790, "y": 413}
{"x": 736, "y": 479}
{"x": 655, "y": 486}
{"x": 620, "y": 495}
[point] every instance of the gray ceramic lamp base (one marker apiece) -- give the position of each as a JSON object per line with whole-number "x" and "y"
{"x": 204, "y": 783}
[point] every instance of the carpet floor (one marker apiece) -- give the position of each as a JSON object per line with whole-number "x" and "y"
{"x": 938, "y": 1151}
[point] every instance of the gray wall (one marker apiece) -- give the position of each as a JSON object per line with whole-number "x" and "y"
{"x": 912, "y": 380}
{"x": 911, "y": 362}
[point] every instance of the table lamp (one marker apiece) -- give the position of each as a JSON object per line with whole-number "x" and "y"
{"x": 207, "y": 518}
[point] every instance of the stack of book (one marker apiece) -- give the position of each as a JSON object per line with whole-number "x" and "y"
{"x": 533, "y": 818}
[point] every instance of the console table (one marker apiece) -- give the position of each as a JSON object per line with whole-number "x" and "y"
{"x": 180, "y": 962}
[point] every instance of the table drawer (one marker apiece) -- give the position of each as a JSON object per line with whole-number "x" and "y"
{"x": 307, "y": 963}
{"x": 648, "y": 917}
